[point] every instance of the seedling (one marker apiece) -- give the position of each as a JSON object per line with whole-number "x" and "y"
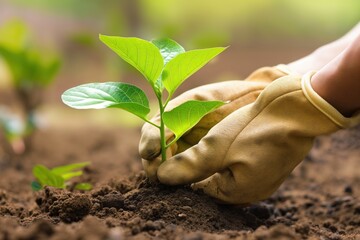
{"x": 31, "y": 71}
{"x": 165, "y": 65}
{"x": 59, "y": 176}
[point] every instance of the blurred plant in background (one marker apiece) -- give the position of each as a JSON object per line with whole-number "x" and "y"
{"x": 31, "y": 71}
{"x": 203, "y": 22}
{"x": 260, "y": 33}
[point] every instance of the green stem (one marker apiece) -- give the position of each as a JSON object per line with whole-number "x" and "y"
{"x": 167, "y": 100}
{"x": 146, "y": 120}
{"x": 162, "y": 131}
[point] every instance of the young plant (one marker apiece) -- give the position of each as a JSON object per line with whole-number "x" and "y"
{"x": 165, "y": 65}
{"x": 31, "y": 70}
{"x": 59, "y": 176}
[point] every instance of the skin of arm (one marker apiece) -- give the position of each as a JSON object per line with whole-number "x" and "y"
{"x": 338, "y": 82}
{"x": 338, "y": 76}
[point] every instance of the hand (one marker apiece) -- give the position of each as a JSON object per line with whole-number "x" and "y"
{"x": 246, "y": 156}
{"x": 239, "y": 93}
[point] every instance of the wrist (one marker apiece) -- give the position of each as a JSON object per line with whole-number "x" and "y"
{"x": 339, "y": 82}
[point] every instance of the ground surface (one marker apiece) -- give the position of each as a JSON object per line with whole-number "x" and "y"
{"x": 320, "y": 200}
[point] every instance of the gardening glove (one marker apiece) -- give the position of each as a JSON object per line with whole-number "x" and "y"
{"x": 246, "y": 157}
{"x": 238, "y": 93}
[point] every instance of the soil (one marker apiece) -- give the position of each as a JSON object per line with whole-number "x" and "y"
{"x": 320, "y": 200}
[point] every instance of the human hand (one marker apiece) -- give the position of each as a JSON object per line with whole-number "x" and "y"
{"x": 238, "y": 93}
{"x": 246, "y": 156}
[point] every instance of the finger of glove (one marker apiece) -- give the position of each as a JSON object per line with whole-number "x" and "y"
{"x": 196, "y": 163}
{"x": 229, "y": 187}
{"x": 151, "y": 167}
{"x": 150, "y": 146}
{"x": 208, "y": 156}
{"x": 221, "y": 186}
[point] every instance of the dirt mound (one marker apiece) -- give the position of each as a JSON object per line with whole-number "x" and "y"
{"x": 319, "y": 200}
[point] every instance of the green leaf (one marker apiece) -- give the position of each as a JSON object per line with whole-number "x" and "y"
{"x": 14, "y": 35}
{"x": 83, "y": 186}
{"x": 168, "y": 48}
{"x": 69, "y": 168}
{"x": 185, "y": 116}
{"x": 70, "y": 175}
{"x": 139, "y": 53}
{"x": 186, "y": 64}
{"x": 36, "y": 186}
{"x": 47, "y": 178}
{"x": 108, "y": 95}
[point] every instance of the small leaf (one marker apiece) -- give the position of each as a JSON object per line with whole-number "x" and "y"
{"x": 47, "y": 178}
{"x": 69, "y": 168}
{"x": 108, "y": 95}
{"x": 36, "y": 186}
{"x": 185, "y": 116}
{"x": 139, "y": 53}
{"x": 70, "y": 175}
{"x": 184, "y": 65}
{"x": 168, "y": 48}
{"x": 14, "y": 35}
{"x": 83, "y": 186}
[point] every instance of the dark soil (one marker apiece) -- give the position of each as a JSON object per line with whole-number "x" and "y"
{"x": 320, "y": 200}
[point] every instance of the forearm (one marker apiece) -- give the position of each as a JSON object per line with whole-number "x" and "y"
{"x": 338, "y": 82}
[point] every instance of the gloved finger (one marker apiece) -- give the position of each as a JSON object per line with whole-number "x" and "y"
{"x": 151, "y": 167}
{"x": 149, "y": 146}
{"x": 240, "y": 183}
{"x": 207, "y": 157}
{"x": 194, "y": 164}
{"x": 222, "y": 186}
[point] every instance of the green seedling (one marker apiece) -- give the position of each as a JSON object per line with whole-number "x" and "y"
{"x": 165, "y": 65}
{"x": 31, "y": 71}
{"x": 58, "y": 177}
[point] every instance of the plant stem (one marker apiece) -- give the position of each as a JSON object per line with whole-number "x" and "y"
{"x": 162, "y": 130}
{"x": 150, "y": 123}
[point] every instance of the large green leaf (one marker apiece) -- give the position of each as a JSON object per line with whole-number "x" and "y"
{"x": 47, "y": 178}
{"x": 187, "y": 115}
{"x": 184, "y": 65}
{"x": 139, "y": 53}
{"x": 168, "y": 48}
{"x": 108, "y": 95}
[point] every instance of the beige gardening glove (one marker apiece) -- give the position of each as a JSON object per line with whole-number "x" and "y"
{"x": 239, "y": 93}
{"x": 245, "y": 157}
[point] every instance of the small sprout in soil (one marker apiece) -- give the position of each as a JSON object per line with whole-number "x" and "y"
{"x": 58, "y": 177}
{"x": 30, "y": 71}
{"x": 165, "y": 65}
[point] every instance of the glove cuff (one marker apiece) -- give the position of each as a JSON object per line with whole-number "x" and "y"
{"x": 323, "y": 106}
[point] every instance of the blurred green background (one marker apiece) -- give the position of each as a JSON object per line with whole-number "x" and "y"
{"x": 259, "y": 33}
